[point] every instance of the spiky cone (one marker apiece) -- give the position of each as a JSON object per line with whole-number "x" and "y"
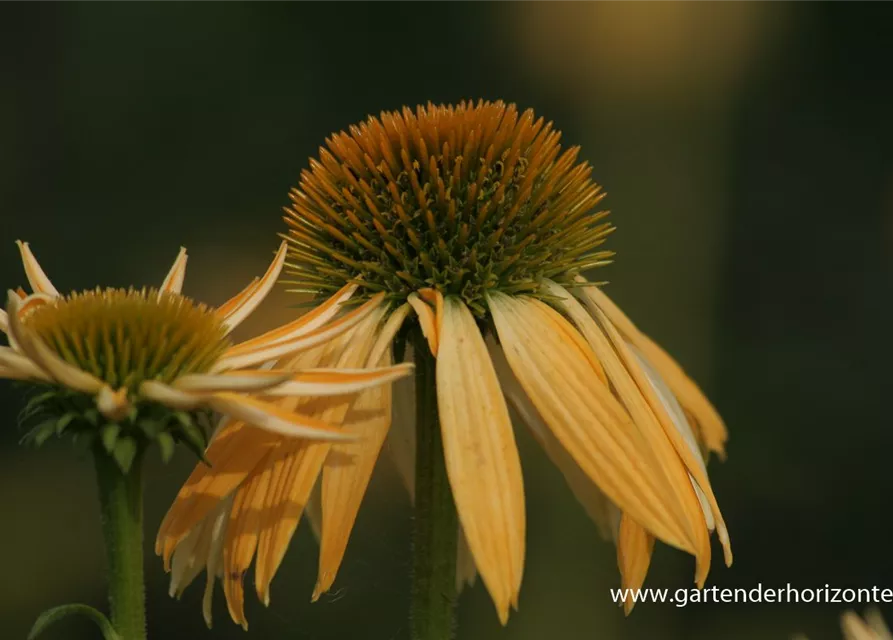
{"x": 477, "y": 227}
{"x": 123, "y": 369}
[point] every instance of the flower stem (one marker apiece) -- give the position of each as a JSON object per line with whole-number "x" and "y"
{"x": 435, "y": 528}
{"x": 121, "y": 502}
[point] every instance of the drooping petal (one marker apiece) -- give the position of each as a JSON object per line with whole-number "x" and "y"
{"x": 597, "y": 506}
{"x": 242, "y": 309}
{"x": 481, "y": 457}
{"x": 240, "y": 381}
{"x": 214, "y": 568}
{"x": 311, "y": 320}
{"x": 634, "y": 548}
{"x": 349, "y": 466}
{"x": 272, "y": 418}
{"x": 872, "y": 628}
{"x": 36, "y": 277}
{"x": 238, "y": 357}
{"x": 337, "y": 382}
{"x": 241, "y": 538}
{"x": 551, "y": 362}
{"x": 43, "y": 357}
{"x": 173, "y": 283}
{"x": 674, "y": 427}
{"x": 626, "y": 386}
{"x": 713, "y": 428}
{"x": 114, "y": 405}
{"x": 4, "y": 321}
{"x": 231, "y": 456}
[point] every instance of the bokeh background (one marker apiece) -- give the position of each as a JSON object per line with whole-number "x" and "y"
{"x": 747, "y": 150}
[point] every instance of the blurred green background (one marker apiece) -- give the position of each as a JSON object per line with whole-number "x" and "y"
{"x": 747, "y": 150}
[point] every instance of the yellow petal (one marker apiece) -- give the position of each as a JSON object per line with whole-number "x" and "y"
{"x": 214, "y": 568}
{"x": 4, "y": 321}
{"x": 114, "y": 405}
{"x": 36, "y": 277}
{"x": 241, "y": 539}
{"x": 275, "y": 419}
{"x": 427, "y": 320}
{"x": 230, "y": 305}
{"x": 634, "y": 548}
{"x": 597, "y": 506}
{"x": 294, "y": 475}
{"x": 876, "y": 622}
{"x": 349, "y": 466}
{"x": 713, "y": 430}
{"x": 19, "y": 367}
{"x": 854, "y": 628}
{"x": 173, "y": 283}
{"x": 311, "y": 320}
{"x": 335, "y": 382}
{"x": 241, "y": 381}
{"x": 238, "y": 356}
{"x": 642, "y": 408}
{"x": 481, "y": 457}
{"x": 688, "y": 454}
{"x": 546, "y": 355}
{"x": 232, "y": 455}
{"x": 169, "y": 396}
{"x": 233, "y": 317}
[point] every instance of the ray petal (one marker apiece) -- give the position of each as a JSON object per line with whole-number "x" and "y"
{"x": 38, "y": 280}
{"x": 427, "y": 320}
{"x": 340, "y": 382}
{"x": 481, "y": 457}
{"x": 240, "y": 381}
{"x": 169, "y": 396}
{"x": 646, "y": 416}
{"x": 713, "y": 429}
{"x": 272, "y": 418}
{"x": 311, "y": 320}
{"x": 634, "y": 548}
{"x": 238, "y": 357}
{"x": 19, "y": 367}
{"x": 557, "y": 375}
{"x": 173, "y": 283}
{"x": 349, "y": 466}
{"x": 241, "y": 310}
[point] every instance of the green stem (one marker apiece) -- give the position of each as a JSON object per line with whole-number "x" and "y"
{"x": 121, "y": 501}
{"x": 435, "y": 528}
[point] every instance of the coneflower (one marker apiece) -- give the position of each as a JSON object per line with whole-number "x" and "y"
{"x": 120, "y": 370}
{"x": 473, "y": 222}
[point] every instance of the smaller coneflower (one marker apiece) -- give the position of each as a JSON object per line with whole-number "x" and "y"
{"x": 122, "y": 369}
{"x": 869, "y": 627}
{"x": 476, "y": 227}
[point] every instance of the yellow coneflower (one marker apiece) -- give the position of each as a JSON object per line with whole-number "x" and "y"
{"x": 473, "y": 218}
{"x": 122, "y": 369}
{"x": 127, "y": 360}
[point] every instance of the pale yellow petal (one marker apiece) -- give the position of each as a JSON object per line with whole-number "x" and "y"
{"x": 273, "y": 418}
{"x": 250, "y": 302}
{"x": 546, "y": 355}
{"x": 169, "y": 396}
{"x": 219, "y": 518}
{"x": 690, "y": 455}
{"x": 597, "y": 506}
{"x": 114, "y": 405}
{"x": 712, "y": 428}
{"x": 249, "y": 381}
{"x": 18, "y": 367}
{"x": 173, "y": 282}
{"x": 334, "y": 382}
{"x": 4, "y": 321}
{"x": 647, "y": 415}
{"x": 36, "y": 277}
{"x": 349, "y": 466}
{"x": 238, "y": 357}
{"x": 313, "y": 319}
{"x": 854, "y": 628}
{"x": 481, "y": 457}
{"x": 634, "y": 548}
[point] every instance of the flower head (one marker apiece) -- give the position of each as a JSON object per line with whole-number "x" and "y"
{"x": 128, "y": 367}
{"x": 476, "y": 228}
